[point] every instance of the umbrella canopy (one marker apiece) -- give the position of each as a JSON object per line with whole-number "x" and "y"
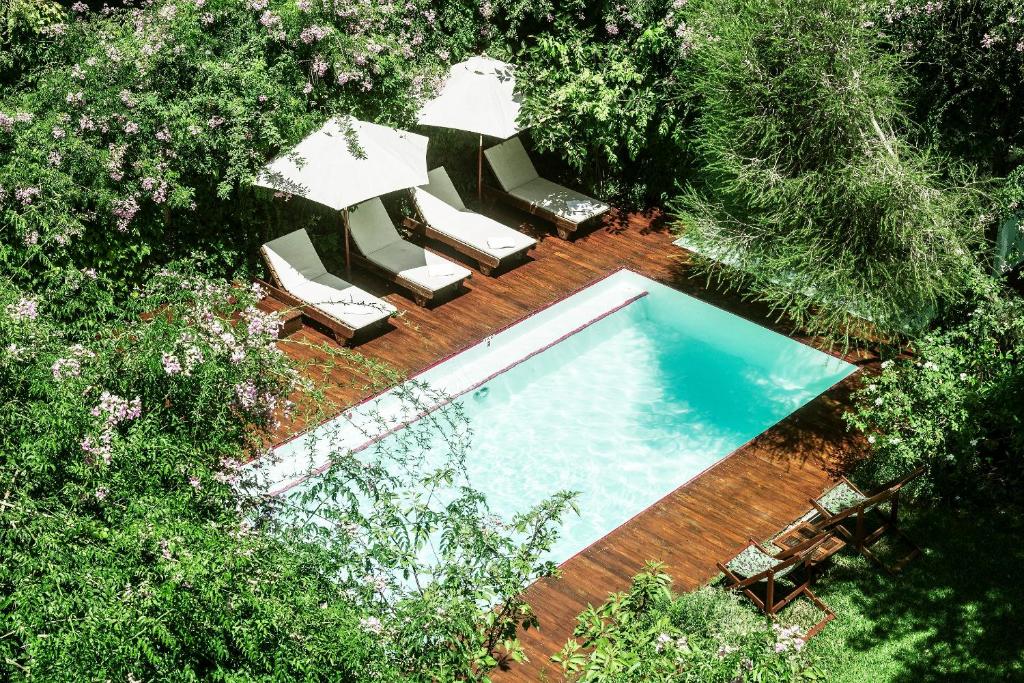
{"x": 478, "y": 96}
{"x": 349, "y": 161}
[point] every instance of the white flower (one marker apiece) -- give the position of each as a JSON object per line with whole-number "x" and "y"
{"x": 371, "y": 625}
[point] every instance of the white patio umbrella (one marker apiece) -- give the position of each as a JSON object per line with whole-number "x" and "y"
{"x": 478, "y": 96}
{"x": 346, "y": 162}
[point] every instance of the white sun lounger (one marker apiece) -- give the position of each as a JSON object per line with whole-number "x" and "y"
{"x": 424, "y": 273}
{"x": 303, "y": 280}
{"x": 525, "y": 189}
{"x": 446, "y": 219}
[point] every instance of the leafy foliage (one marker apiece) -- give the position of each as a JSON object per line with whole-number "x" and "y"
{"x": 967, "y": 60}
{"x": 138, "y": 543}
{"x": 599, "y": 96}
{"x": 803, "y": 183}
{"x": 954, "y": 406}
{"x": 131, "y": 143}
{"x": 649, "y": 634}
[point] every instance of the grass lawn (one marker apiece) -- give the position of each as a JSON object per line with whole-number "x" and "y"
{"x": 954, "y": 614}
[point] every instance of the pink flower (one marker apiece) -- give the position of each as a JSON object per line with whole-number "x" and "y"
{"x": 25, "y": 309}
{"x": 31, "y": 238}
{"x": 102, "y": 493}
{"x": 58, "y": 133}
{"x": 172, "y": 366}
{"x": 102, "y": 448}
{"x": 246, "y": 394}
{"x": 371, "y": 625}
{"x": 54, "y": 158}
{"x": 313, "y": 34}
{"x": 79, "y": 7}
{"x": 66, "y": 367}
{"x": 319, "y": 66}
{"x": 131, "y": 128}
{"x": 163, "y": 135}
{"x": 308, "y": 88}
{"x": 206, "y": 19}
{"x": 76, "y": 98}
{"x": 215, "y": 121}
{"x": 270, "y": 20}
{"x": 25, "y": 195}
{"x": 125, "y": 210}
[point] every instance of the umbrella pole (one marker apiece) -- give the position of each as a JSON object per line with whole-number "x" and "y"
{"x": 348, "y": 262}
{"x": 480, "y": 170}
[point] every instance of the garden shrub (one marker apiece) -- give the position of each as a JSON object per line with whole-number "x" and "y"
{"x": 967, "y": 61}
{"x": 128, "y": 142}
{"x": 707, "y": 635}
{"x": 803, "y": 179}
{"x": 955, "y": 406}
{"x": 600, "y": 94}
{"x": 138, "y": 545}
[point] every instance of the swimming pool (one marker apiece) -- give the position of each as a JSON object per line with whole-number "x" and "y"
{"x": 623, "y": 392}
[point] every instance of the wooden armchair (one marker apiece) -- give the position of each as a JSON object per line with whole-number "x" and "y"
{"x": 755, "y": 566}
{"x": 845, "y": 504}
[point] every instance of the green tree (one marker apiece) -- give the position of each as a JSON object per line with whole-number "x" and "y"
{"x": 802, "y": 179}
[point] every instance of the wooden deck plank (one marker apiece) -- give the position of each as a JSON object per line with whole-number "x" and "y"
{"x": 751, "y": 493}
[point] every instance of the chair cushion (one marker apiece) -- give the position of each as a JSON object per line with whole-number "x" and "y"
{"x": 293, "y": 258}
{"x": 371, "y": 226}
{"x": 472, "y": 229}
{"x": 342, "y": 301}
{"x": 415, "y": 264}
{"x": 442, "y": 187}
{"x": 839, "y": 498}
{"x": 565, "y": 203}
{"x": 751, "y": 561}
{"x": 511, "y": 164}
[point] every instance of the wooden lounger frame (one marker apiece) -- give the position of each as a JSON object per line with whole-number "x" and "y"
{"x": 862, "y": 539}
{"x": 486, "y": 263}
{"x": 342, "y": 333}
{"x": 565, "y": 228}
{"x": 770, "y": 604}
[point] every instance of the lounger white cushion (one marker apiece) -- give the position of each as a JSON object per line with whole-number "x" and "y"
{"x": 300, "y": 272}
{"x": 568, "y": 204}
{"x": 441, "y": 207}
{"x": 519, "y": 178}
{"x": 379, "y": 242}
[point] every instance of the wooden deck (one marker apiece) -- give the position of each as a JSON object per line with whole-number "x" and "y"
{"x": 751, "y": 493}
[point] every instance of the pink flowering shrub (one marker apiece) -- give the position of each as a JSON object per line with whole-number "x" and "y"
{"x": 150, "y": 120}
{"x": 125, "y": 510}
{"x": 965, "y": 59}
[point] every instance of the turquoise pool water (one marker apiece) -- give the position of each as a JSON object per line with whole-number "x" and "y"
{"x": 632, "y": 407}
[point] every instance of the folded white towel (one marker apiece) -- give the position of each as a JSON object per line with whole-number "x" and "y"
{"x": 500, "y": 243}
